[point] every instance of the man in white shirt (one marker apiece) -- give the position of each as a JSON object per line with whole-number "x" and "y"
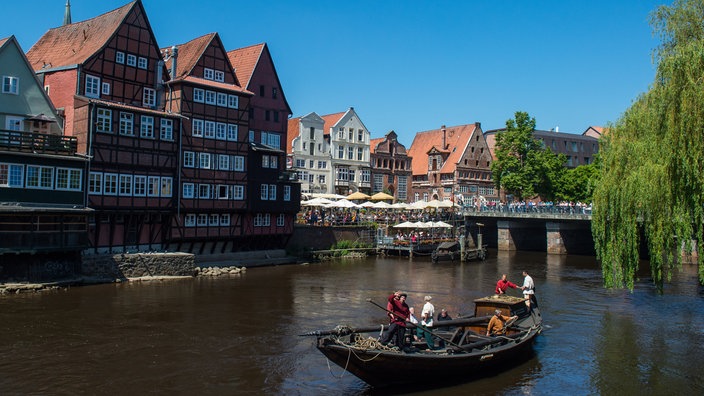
{"x": 528, "y": 288}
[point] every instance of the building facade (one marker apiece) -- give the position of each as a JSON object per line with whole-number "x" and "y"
{"x": 309, "y": 153}
{"x": 452, "y": 163}
{"x": 42, "y": 179}
{"x": 349, "y": 151}
{"x": 391, "y": 167}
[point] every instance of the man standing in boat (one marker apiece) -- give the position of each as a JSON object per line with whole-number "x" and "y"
{"x": 503, "y": 284}
{"x": 528, "y": 289}
{"x": 398, "y": 313}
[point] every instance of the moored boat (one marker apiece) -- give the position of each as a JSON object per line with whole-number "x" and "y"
{"x": 463, "y": 351}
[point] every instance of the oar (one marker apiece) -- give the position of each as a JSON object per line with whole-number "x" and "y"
{"x": 415, "y": 325}
{"x": 342, "y": 331}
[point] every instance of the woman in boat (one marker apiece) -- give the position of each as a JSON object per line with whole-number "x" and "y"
{"x": 497, "y": 323}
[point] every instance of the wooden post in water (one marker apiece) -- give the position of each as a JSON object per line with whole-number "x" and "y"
{"x": 462, "y": 248}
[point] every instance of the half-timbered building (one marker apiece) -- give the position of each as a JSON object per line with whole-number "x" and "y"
{"x": 107, "y": 75}
{"x": 391, "y": 167}
{"x": 275, "y": 197}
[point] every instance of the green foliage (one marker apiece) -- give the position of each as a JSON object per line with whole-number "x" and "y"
{"x": 342, "y": 246}
{"x": 578, "y": 183}
{"x": 652, "y": 164}
{"x": 523, "y": 167}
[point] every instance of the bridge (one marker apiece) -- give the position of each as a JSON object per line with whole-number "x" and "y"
{"x": 554, "y": 229}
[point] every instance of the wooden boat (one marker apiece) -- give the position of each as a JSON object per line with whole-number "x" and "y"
{"x": 466, "y": 352}
{"x": 451, "y": 251}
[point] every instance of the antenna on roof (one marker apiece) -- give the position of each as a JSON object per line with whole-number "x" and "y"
{"x": 67, "y": 13}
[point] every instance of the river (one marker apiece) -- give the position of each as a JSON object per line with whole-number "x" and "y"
{"x": 239, "y": 335}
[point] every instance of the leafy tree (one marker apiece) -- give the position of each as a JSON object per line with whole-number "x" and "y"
{"x": 653, "y": 168}
{"x": 523, "y": 167}
{"x": 578, "y": 183}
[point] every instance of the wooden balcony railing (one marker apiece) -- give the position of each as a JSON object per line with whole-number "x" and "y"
{"x": 37, "y": 142}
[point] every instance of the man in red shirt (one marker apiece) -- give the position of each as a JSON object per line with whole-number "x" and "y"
{"x": 503, "y": 284}
{"x": 398, "y": 313}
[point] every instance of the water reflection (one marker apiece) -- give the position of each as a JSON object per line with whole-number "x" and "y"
{"x": 239, "y": 335}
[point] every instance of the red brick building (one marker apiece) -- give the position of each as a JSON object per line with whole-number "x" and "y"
{"x": 391, "y": 167}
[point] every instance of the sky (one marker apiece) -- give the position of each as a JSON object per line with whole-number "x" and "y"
{"x": 412, "y": 66}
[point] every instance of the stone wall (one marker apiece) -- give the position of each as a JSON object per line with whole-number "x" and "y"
{"x": 134, "y": 265}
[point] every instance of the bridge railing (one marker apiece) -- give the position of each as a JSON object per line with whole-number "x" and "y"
{"x": 562, "y": 211}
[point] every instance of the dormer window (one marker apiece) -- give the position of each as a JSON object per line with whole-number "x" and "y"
{"x": 131, "y": 60}
{"x": 92, "y": 86}
{"x": 142, "y": 63}
{"x": 208, "y": 74}
{"x": 219, "y": 76}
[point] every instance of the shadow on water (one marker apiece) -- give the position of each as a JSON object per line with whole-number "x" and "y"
{"x": 239, "y": 335}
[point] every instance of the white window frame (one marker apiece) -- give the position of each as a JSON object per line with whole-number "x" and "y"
{"x": 225, "y": 220}
{"x": 210, "y": 97}
{"x": 126, "y": 124}
{"x": 198, "y": 95}
{"x": 208, "y": 74}
{"x": 95, "y": 183}
{"x": 272, "y": 192}
{"x": 166, "y": 187}
{"x": 197, "y": 127}
{"x": 265, "y": 161}
{"x": 105, "y": 90}
{"x": 146, "y": 127}
{"x": 110, "y": 184}
{"x": 222, "y": 99}
{"x": 280, "y": 220}
{"x": 287, "y": 193}
{"x": 213, "y": 220}
{"x": 238, "y": 193}
{"x": 120, "y": 57}
{"x": 103, "y": 122}
{"x": 204, "y": 160}
{"x": 73, "y": 179}
{"x": 223, "y": 162}
{"x": 202, "y": 220}
{"x": 204, "y": 191}
{"x": 222, "y": 191}
{"x": 209, "y": 130}
{"x": 131, "y": 60}
{"x": 238, "y": 163}
{"x": 219, "y": 76}
{"x": 149, "y": 97}
{"x": 153, "y": 186}
{"x": 221, "y": 131}
{"x": 232, "y": 132}
{"x": 143, "y": 63}
{"x": 124, "y": 188}
{"x": 10, "y": 85}
{"x": 233, "y": 101}
{"x": 264, "y": 192}
{"x": 92, "y": 88}
{"x": 140, "y": 186}
{"x": 187, "y": 191}
{"x": 167, "y": 129}
{"x": 189, "y": 159}
{"x": 190, "y": 220}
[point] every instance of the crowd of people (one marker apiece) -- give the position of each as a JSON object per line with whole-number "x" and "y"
{"x": 400, "y": 333}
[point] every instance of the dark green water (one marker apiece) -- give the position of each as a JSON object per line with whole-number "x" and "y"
{"x": 238, "y": 335}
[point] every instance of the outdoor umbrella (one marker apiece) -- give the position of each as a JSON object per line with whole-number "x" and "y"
{"x": 357, "y": 195}
{"x": 380, "y": 196}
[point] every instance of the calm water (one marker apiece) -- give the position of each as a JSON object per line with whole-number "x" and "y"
{"x": 238, "y": 335}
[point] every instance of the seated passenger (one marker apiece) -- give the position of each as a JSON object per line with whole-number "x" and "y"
{"x": 496, "y": 324}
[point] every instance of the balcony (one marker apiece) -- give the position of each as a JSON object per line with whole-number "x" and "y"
{"x": 39, "y": 143}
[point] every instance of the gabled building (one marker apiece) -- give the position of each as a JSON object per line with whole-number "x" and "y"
{"x": 309, "y": 153}
{"x": 273, "y": 213}
{"x": 391, "y": 167}
{"x": 451, "y": 163}
{"x": 107, "y": 75}
{"x": 349, "y": 150}
{"x": 42, "y": 179}
{"x": 212, "y": 205}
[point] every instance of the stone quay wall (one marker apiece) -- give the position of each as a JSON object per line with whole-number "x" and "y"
{"x": 135, "y": 265}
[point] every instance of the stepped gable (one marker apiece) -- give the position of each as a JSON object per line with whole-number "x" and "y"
{"x": 76, "y": 43}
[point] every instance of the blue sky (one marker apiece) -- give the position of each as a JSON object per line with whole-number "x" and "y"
{"x": 413, "y": 66}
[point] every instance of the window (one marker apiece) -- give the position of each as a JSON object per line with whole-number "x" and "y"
{"x": 402, "y": 187}
{"x": 267, "y": 116}
{"x": 238, "y": 163}
{"x": 189, "y": 159}
{"x": 258, "y": 220}
{"x": 153, "y": 186}
{"x": 197, "y": 128}
{"x": 221, "y": 131}
{"x": 223, "y": 162}
{"x": 142, "y": 63}
{"x": 360, "y": 135}
{"x": 166, "y": 186}
{"x": 210, "y": 97}
{"x": 341, "y": 152}
{"x": 265, "y": 161}
{"x": 264, "y": 192}
{"x": 341, "y": 133}
{"x": 11, "y": 175}
{"x": 149, "y": 97}
{"x": 146, "y": 127}
{"x": 238, "y": 193}
{"x": 110, "y": 185}
{"x": 360, "y": 154}
{"x": 300, "y": 163}
{"x": 364, "y": 175}
{"x": 202, "y": 220}
{"x": 219, "y": 76}
{"x": 378, "y": 183}
{"x": 204, "y": 191}
{"x": 225, "y": 220}
{"x": 131, "y": 60}
{"x": 198, "y": 95}
{"x": 104, "y": 121}
{"x": 210, "y": 129}
{"x": 267, "y": 219}
{"x": 120, "y": 57}
{"x": 10, "y": 85}
{"x": 125, "y": 185}
{"x": 251, "y": 133}
{"x": 232, "y": 132}
{"x": 273, "y": 162}
{"x": 140, "y": 186}
{"x": 321, "y": 179}
{"x": 208, "y": 74}
{"x": 68, "y": 179}
{"x": 223, "y": 191}
{"x": 95, "y": 183}
{"x": 167, "y": 130}
{"x": 261, "y": 90}
{"x": 106, "y": 89}
{"x": 322, "y": 164}
{"x": 204, "y": 160}
{"x": 270, "y": 139}
{"x": 272, "y": 192}
{"x": 187, "y": 190}
{"x": 222, "y": 99}
{"x": 92, "y": 86}
{"x": 213, "y": 219}
{"x": 190, "y": 220}
{"x": 126, "y": 124}
{"x": 287, "y": 193}
{"x": 350, "y": 153}
{"x": 232, "y": 101}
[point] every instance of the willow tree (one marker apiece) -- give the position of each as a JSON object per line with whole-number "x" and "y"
{"x": 652, "y": 182}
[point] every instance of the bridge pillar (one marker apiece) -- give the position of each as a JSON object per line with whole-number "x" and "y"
{"x": 504, "y": 239}
{"x": 556, "y": 244}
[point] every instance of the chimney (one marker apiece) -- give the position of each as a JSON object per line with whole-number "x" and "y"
{"x": 67, "y": 13}
{"x": 557, "y": 129}
{"x": 174, "y": 57}
{"x": 444, "y": 137}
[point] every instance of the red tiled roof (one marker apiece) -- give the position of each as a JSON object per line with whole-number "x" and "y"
{"x": 292, "y": 132}
{"x": 373, "y": 143}
{"x": 75, "y": 43}
{"x": 456, "y": 141}
{"x": 2, "y": 41}
{"x": 123, "y": 106}
{"x": 244, "y": 60}
{"x": 330, "y": 120}
{"x": 188, "y": 55}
